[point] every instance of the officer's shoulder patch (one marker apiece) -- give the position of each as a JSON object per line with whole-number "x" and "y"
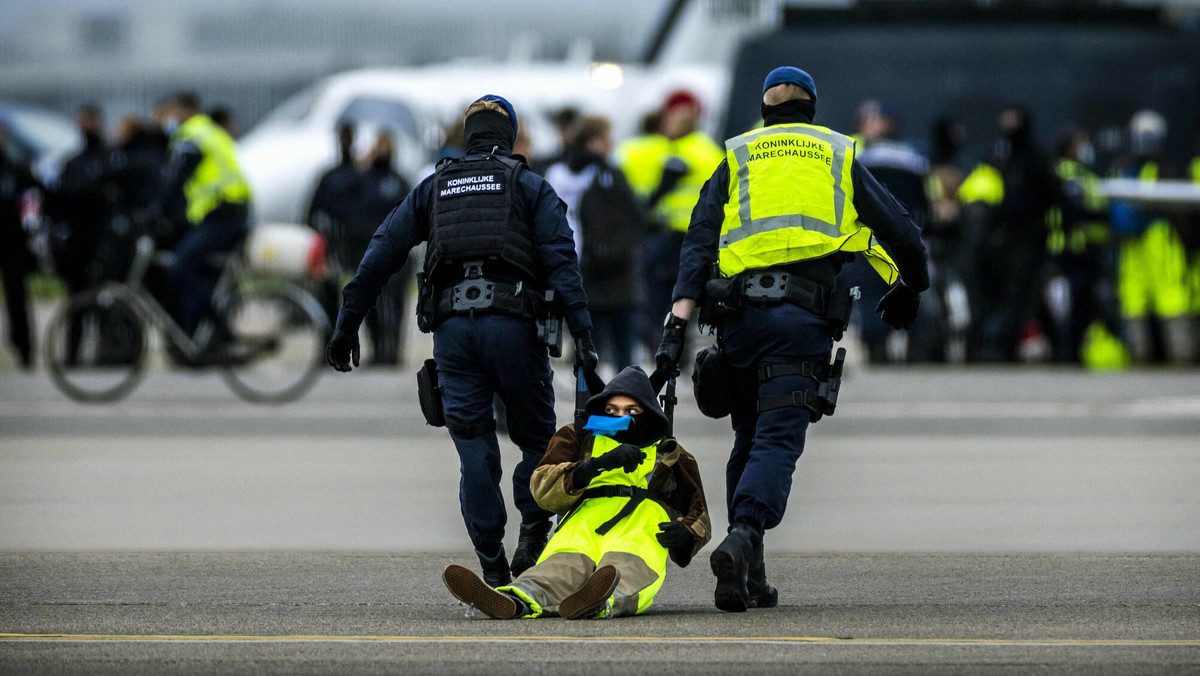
{"x": 472, "y": 183}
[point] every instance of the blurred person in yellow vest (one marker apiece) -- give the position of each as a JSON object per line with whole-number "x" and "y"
{"x": 1082, "y": 292}
{"x": 667, "y": 169}
{"x": 1152, "y": 260}
{"x": 204, "y": 173}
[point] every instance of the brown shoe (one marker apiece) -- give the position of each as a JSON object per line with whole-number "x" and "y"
{"x": 473, "y": 591}
{"x": 592, "y": 597}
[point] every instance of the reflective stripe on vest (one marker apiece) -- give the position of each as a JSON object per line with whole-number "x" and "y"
{"x": 793, "y": 200}
{"x": 217, "y": 179}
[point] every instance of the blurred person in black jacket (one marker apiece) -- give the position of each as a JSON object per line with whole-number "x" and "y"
{"x": 18, "y": 190}
{"x": 380, "y": 189}
{"x": 608, "y": 226}
{"x": 904, "y": 172}
{"x": 330, "y": 212}
{"x": 1009, "y": 252}
{"x": 80, "y": 208}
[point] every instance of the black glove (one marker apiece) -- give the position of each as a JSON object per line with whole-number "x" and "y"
{"x": 898, "y": 308}
{"x": 585, "y": 351}
{"x": 342, "y": 350}
{"x": 625, "y": 457}
{"x": 672, "y": 534}
{"x": 671, "y": 347}
{"x": 587, "y": 359}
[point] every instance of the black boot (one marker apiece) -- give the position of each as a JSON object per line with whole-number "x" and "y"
{"x": 495, "y": 567}
{"x": 731, "y": 564}
{"x": 530, "y": 544}
{"x": 762, "y": 594}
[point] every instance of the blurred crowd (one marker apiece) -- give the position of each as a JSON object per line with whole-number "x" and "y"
{"x": 1030, "y": 261}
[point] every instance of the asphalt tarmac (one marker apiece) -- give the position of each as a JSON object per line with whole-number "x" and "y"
{"x": 944, "y": 521}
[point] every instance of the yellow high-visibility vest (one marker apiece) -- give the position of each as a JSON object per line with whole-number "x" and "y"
{"x": 791, "y": 199}
{"x": 218, "y": 178}
{"x": 983, "y": 184}
{"x": 644, "y": 158}
{"x": 1083, "y": 235}
{"x": 639, "y": 477}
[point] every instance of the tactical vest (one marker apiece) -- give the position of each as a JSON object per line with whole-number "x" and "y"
{"x": 218, "y": 179}
{"x": 791, "y": 199}
{"x": 476, "y": 218}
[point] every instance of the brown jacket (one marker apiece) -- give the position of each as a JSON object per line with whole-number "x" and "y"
{"x": 676, "y": 477}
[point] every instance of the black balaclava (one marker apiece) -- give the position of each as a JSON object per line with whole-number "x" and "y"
{"x": 642, "y": 432}
{"x": 489, "y": 129}
{"x": 382, "y": 163}
{"x": 92, "y": 140}
{"x": 802, "y": 111}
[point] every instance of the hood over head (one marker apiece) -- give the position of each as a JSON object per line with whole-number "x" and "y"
{"x": 632, "y": 382}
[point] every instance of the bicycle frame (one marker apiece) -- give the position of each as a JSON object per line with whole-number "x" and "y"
{"x": 154, "y": 313}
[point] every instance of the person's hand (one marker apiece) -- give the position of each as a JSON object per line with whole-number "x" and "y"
{"x": 672, "y": 534}
{"x": 342, "y": 350}
{"x": 898, "y": 308}
{"x": 671, "y": 347}
{"x": 625, "y": 457}
{"x": 587, "y": 359}
{"x": 585, "y": 351}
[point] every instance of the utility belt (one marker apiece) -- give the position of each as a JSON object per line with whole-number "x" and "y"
{"x": 724, "y": 296}
{"x": 476, "y": 293}
{"x": 716, "y": 390}
{"x": 636, "y": 497}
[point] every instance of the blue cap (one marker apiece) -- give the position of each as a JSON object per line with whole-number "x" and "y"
{"x": 791, "y": 75}
{"x": 512, "y": 114}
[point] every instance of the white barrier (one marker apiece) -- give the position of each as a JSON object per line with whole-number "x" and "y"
{"x": 1176, "y": 193}
{"x": 286, "y": 249}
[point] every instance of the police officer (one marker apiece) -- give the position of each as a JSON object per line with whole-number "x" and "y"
{"x": 497, "y": 240}
{"x": 779, "y": 217}
{"x": 204, "y": 170}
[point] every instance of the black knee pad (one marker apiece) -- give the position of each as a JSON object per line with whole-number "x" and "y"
{"x": 470, "y": 430}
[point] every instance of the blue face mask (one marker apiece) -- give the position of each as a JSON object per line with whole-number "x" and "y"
{"x": 607, "y": 425}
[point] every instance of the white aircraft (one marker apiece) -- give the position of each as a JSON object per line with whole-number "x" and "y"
{"x": 285, "y": 154}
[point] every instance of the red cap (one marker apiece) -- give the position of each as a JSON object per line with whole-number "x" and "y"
{"x": 680, "y": 97}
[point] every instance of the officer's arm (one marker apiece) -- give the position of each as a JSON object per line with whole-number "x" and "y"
{"x": 556, "y": 249}
{"x": 699, "y": 250}
{"x": 405, "y": 227}
{"x": 889, "y": 220}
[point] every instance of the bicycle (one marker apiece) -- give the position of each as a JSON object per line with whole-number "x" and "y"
{"x": 265, "y": 335}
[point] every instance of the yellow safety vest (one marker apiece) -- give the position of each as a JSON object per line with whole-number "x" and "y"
{"x": 1082, "y": 235}
{"x": 983, "y": 184}
{"x": 218, "y": 178}
{"x": 643, "y": 159}
{"x": 791, "y": 199}
{"x": 639, "y": 478}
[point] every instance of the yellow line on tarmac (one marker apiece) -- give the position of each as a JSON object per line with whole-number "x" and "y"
{"x": 225, "y": 638}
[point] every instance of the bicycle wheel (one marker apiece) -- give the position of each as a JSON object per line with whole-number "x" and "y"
{"x": 277, "y": 344}
{"x": 95, "y": 345}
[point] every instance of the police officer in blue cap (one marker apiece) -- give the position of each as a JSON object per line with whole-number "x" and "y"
{"x": 780, "y": 216}
{"x": 499, "y": 266}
